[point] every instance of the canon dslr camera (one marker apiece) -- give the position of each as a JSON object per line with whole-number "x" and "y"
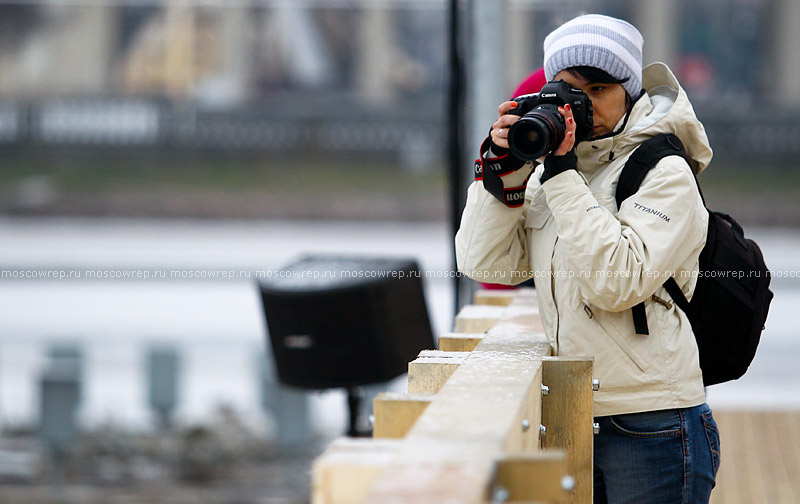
{"x": 541, "y": 128}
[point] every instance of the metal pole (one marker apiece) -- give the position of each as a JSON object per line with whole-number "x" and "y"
{"x": 785, "y": 43}
{"x": 660, "y": 21}
{"x": 476, "y": 89}
{"x": 455, "y": 132}
{"x": 487, "y": 56}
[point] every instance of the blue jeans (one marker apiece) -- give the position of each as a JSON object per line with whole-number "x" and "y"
{"x": 658, "y": 457}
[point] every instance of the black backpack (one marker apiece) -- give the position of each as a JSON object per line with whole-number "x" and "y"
{"x": 731, "y": 299}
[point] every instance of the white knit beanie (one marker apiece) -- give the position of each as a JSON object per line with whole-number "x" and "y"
{"x": 597, "y": 41}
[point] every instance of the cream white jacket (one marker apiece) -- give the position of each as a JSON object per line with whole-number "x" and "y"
{"x": 592, "y": 262}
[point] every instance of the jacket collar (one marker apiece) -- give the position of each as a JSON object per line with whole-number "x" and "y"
{"x": 594, "y": 154}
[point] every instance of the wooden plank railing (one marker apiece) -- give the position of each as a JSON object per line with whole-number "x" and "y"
{"x": 477, "y": 425}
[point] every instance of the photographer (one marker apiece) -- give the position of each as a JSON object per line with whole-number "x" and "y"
{"x": 558, "y": 222}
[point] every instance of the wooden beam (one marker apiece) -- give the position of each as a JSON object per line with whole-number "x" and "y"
{"x": 347, "y": 469}
{"x": 495, "y": 297}
{"x": 422, "y": 481}
{"x": 477, "y": 318}
{"x": 533, "y": 476}
{"x": 567, "y": 416}
{"x": 396, "y": 413}
{"x": 450, "y": 453}
{"x": 524, "y": 432}
{"x": 459, "y": 342}
{"x": 480, "y": 425}
{"x": 431, "y": 369}
{"x": 525, "y": 313}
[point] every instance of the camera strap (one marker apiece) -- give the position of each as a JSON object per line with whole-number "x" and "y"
{"x": 490, "y": 170}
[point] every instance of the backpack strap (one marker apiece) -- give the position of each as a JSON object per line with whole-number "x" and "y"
{"x": 676, "y": 294}
{"x": 645, "y": 157}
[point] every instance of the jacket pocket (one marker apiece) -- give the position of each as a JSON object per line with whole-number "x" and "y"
{"x": 608, "y": 322}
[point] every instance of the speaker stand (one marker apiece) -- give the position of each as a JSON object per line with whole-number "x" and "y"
{"x": 354, "y": 408}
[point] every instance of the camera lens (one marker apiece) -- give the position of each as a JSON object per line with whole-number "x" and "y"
{"x": 537, "y": 133}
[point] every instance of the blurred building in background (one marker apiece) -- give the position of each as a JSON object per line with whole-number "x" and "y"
{"x": 344, "y": 76}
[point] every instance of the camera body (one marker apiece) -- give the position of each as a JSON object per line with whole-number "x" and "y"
{"x": 541, "y": 128}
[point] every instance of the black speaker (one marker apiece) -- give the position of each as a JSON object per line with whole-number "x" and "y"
{"x": 337, "y": 321}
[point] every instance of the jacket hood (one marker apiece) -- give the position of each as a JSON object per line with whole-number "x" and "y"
{"x": 664, "y": 108}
